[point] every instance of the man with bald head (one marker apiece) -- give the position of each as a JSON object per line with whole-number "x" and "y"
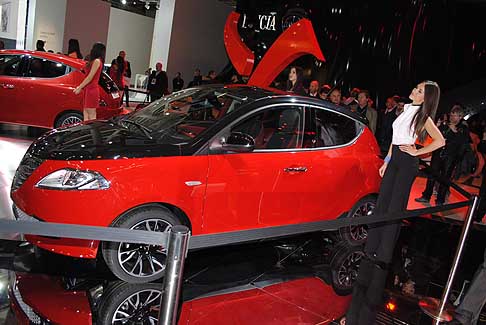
{"x": 158, "y": 84}
{"x": 314, "y": 89}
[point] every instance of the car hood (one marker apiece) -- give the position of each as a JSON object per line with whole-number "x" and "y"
{"x": 99, "y": 140}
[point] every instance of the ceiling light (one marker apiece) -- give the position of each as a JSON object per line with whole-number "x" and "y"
{"x": 124, "y": 2}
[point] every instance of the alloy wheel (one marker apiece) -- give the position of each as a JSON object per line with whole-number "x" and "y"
{"x": 348, "y": 270}
{"x": 140, "y": 260}
{"x": 140, "y": 308}
{"x": 359, "y": 233}
{"x": 71, "y": 120}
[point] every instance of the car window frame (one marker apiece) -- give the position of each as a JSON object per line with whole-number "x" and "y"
{"x": 347, "y": 144}
{"x": 26, "y": 67}
{"x": 214, "y": 144}
{"x": 21, "y": 67}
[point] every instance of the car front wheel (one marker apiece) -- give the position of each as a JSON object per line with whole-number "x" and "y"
{"x": 139, "y": 263}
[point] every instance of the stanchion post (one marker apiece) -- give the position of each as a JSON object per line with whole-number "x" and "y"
{"x": 431, "y": 306}
{"x": 176, "y": 254}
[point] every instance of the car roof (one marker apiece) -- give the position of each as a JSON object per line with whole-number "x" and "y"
{"x": 61, "y": 58}
{"x": 253, "y": 93}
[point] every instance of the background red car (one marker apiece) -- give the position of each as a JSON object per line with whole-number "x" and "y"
{"x": 36, "y": 88}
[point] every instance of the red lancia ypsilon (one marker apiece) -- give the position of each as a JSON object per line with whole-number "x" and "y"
{"x": 36, "y": 88}
{"x": 216, "y": 159}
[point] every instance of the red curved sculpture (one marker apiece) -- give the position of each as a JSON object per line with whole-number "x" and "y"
{"x": 299, "y": 39}
{"x": 240, "y": 55}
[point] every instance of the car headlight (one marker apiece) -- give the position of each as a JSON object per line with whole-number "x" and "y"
{"x": 72, "y": 179}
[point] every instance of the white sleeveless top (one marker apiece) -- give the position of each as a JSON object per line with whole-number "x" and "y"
{"x": 402, "y": 132}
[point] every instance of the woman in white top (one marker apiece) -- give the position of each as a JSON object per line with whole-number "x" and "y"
{"x": 398, "y": 171}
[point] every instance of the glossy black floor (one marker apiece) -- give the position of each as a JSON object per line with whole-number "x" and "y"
{"x": 420, "y": 267}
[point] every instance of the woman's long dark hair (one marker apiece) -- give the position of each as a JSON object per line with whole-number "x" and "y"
{"x": 73, "y": 46}
{"x": 429, "y": 108}
{"x": 97, "y": 52}
{"x": 299, "y": 83}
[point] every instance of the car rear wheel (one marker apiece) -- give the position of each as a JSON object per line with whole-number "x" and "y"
{"x": 356, "y": 235}
{"x": 344, "y": 269}
{"x": 138, "y": 263}
{"x": 69, "y": 119}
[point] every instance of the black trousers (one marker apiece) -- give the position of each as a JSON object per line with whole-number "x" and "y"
{"x": 127, "y": 96}
{"x": 443, "y": 166}
{"x": 373, "y": 270}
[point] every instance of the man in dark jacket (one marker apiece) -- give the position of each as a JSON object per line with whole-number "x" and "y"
{"x": 158, "y": 84}
{"x": 387, "y": 118}
{"x": 127, "y": 75}
{"x": 446, "y": 159}
{"x": 177, "y": 82}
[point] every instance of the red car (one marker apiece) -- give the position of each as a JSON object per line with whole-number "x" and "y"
{"x": 215, "y": 158}
{"x": 36, "y": 88}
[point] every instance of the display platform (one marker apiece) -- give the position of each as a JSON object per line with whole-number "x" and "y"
{"x": 304, "y": 279}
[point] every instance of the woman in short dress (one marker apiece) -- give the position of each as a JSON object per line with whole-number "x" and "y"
{"x": 90, "y": 86}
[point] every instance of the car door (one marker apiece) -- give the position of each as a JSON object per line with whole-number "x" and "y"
{"x": 48, "y": 92}
{"x": 257, "y": 189}
{"x": 333, "y": 182}
{"x": 10, "y": 86}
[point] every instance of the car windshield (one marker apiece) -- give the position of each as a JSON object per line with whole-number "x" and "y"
{"x": 183, "y": 116}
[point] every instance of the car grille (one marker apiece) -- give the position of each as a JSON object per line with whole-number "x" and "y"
{"x": 386, "y": 319}
{"x": 27, "y": 166}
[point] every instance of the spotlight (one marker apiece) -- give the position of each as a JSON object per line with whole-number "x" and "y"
{"x": 124, "y": 2}
{"x": 147, "y": 5}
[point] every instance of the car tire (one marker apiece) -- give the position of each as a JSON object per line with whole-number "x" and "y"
{"x": 344, "y": 268}
{"x": 137, "y": 263}
{"x": 68, "y": 119}
{"x": 356, "y": 235}
{"x": 140, "y": 302}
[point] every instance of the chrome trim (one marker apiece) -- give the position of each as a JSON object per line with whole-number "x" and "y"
{"x": 192, "y": 183}
{"x": 295, "y": 169}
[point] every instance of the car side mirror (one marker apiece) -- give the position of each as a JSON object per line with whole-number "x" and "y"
{"x": 239, "y": 142}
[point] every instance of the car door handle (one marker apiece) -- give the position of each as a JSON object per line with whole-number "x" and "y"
{"x": 295, "y": 169}
{"x": 7, "y": 86}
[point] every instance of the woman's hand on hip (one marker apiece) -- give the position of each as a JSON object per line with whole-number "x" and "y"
{"x": 383, "y": 169}
{"x": 410, "y": 149}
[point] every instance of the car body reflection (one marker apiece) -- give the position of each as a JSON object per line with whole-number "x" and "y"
{"x": 280, "y": 282}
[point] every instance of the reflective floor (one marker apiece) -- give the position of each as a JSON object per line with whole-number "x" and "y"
{"x": 299, "y": 280}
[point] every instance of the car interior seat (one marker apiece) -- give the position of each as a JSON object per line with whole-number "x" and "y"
{"x": 285, "y": 135}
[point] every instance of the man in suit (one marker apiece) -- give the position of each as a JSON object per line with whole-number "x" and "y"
{"x": 314, "y": 89}
{"x": 158, "y": 84}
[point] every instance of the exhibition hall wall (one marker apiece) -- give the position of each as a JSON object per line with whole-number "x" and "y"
{"x": 46, "y": 22}
{"x": 133, "y": 33}
{"x": 185, "y": 34}
{"x": 11, "y": 25}
{"x": 87, "y": 32}
{"x": 197, "y": 38}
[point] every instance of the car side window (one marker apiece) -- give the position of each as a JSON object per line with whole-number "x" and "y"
{"x": 328, "y": 129}
{"x": 43, "y": 68}
{"x": 10, "y": 65}
{"x": 274, "y": 128}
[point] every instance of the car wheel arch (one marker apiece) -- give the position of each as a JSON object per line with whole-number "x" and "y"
{"x": 176, "y": 211}
{"x": 64, "y": 112}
